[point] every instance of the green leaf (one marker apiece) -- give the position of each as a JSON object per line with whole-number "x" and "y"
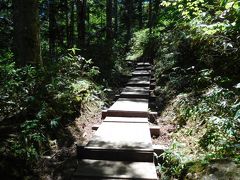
{"x": 237, "y": 115}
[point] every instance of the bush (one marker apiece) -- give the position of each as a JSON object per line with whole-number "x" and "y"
{"x": 42, "y": 101}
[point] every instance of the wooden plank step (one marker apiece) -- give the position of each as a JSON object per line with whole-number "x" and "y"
{"x": 129, "y": 107}
{"x": 143, "y": 64}
{"x": 134, "y": 95}
{"x": 154, "y": 130}
{"x": 136, "y": 89}
{"x": 141, "y": 81}
{"x": 151, "y": 115}
{"x": 140, "y": 78}
{"x": 143, "y": 68}
{"x": 141, "y": 73}
{"x": 99, "y": 169}
{"x": 119, "y": 141}
{"x": 143, "y": 155}
{"x": 126, "y": 119}
{"x": 118, "y": 135}
{"x": 135, "y": 92}
{"x": 140, "y": 84}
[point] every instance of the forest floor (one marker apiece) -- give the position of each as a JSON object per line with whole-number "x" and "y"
{"x": 62, "y": 162}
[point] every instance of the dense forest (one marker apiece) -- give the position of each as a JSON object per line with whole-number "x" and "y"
{"x": 61, "y": 61}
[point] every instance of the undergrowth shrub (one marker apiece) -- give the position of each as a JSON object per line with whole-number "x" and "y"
{"x": 17, "y": 86}
{"x": 45, "y": 101}
{"x": 197, "y": 62}
{"x": 208, "y": 128}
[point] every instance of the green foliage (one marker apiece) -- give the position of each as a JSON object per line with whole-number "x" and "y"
{"x": 171, "y": 159}
{"x": 214, "y": 121}
{"x": 27, "y": 145}
{"x": 139, "y": 42}
{"x": 17, "y": 86}
{"x": 47, "y": 100}
{"x": 203, "y": 33}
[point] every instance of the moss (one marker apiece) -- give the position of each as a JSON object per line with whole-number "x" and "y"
{"x": 196, "y": 167}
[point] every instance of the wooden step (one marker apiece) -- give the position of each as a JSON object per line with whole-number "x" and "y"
{"x": 119, "y": 141}
{"x": 137, "y": 155}
{"x": 121, "y": 135}
{"x": 154, "y": 130}
{"x": 126, "y": 119}
{"x": 142, "y": 73}
{"x": 140, "y": 84}
{"x": 143, "y": 64}
{"x": 136, "y": 89}
{"x": 140, "y": 78}
{"x": 100, "y": 169}
{"x": 140, "y": 81}
{"x": 129, "y": 107}
{"x": 135, "y": 92}
{"x": 143, "y": 68}
{"x": 151, "y": 115}
{"x": 134, "y": 95}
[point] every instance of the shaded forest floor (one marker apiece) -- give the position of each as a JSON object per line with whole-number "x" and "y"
{"x": 63, "y": 162}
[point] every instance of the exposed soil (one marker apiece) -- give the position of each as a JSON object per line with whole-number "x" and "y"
{"x": 62, "y": 163}
{"x": 166, "y": 126}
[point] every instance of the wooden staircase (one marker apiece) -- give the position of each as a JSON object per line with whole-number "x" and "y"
{"x": 121, "y": 147}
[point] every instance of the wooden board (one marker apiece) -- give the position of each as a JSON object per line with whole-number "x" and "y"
{"x": 119, "y": 141}
{"x": 143, "y": 81}
{"x": 141, "y": 73}
{"x": 134, "y": 95}
{"x": 118, "y": 135}
{"x": 129, "y": 107}
{"x": 99, "y": 169}
{"x": 135, "y": 92}
{"x": 143, "y": 64}
{"x": 126, "y": 119}
{"x": 136, "y": 89}
{"x": 143, "y": 68}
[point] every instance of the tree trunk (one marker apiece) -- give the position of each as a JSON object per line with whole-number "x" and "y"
{"x": 129, "y": 7}
{"x": 52, "y": 29}
{"x": 109, "y": 33}
{"x": 150, "y": 17}
{"x": 26, "y": 32}
{"x": 81, "y": 14}
{"x": 115, "y": 18}
{"x": 140, "y": 13}
{"x": 66, "y": 9}
{"x": 71, "y": 25}
{"x": 156, "y": 12}
{"x": 88, "y": 22}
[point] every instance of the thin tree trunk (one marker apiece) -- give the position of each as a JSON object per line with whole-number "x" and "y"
{"x": 26, "y": 32}
{"x": 156, "y": 11}
{"x": 129, "y": 7}
{"x": 150, "y": 17}
{"x": 88, "y": 22}
{"x": 67, "y": 22}
{"x": 71, "y": 25}
{"x": 81, "y": 11}
{"x": 109, "y": 33}
{"x": 140, "y": 13}
{"x": 52, "y": 29}
{"x": 115, "y": 18}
